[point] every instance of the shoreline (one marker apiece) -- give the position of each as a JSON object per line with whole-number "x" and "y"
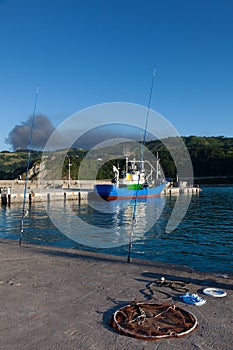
{"x": 57, "y": 298}
{"x": 53, "y": 246}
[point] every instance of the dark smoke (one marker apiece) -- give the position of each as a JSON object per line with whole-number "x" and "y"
{"x": 19, "y": 136}
{"x": 102, "y": 133}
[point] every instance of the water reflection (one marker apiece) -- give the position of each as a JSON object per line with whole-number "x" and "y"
{"x": 108, "y": 226}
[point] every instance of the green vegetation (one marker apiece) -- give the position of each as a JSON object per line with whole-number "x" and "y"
{"x": 212, "y": 159}
{"x": 14, "y": 164}
{"x": 211, "y": 156}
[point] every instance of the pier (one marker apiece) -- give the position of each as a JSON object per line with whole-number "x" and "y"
{"x": 12, "y": 191}
{"x": 181, "y": 190}
{"x": 55, "y": 298}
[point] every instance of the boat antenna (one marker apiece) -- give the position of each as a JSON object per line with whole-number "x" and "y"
{"x": 142, "y": 156}
{"x": 27, "y": 171}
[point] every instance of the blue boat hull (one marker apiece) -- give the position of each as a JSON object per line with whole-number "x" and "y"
{"x": 111, "y": 192}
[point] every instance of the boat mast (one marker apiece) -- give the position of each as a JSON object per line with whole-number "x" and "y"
{"x": 126, "y": 164}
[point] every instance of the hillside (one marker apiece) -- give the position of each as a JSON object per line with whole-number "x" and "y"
{"x": 14, "y": 164}
{"x": 212, "y": 159}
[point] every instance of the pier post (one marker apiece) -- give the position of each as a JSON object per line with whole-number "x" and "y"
{"x": 4, "y": 199}
{"x": 9, "y": 195}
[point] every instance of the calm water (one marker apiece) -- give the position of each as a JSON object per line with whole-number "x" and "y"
{"x": 203, "y": 239}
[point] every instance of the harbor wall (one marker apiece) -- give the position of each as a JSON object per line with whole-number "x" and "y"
{"x": 12, "y": 191}
{"x": 180, "y": 190}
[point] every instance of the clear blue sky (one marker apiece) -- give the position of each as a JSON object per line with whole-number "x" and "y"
{"x": 88, "y": 52}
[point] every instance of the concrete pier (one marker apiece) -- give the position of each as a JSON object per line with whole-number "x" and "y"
{"x": 13, "y": 191}
{"x": 181, "y": 190}
{"x": 50, "y": 195}
{"x": 53, "y": 298}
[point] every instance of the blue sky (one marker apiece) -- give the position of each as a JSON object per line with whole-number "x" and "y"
{"x": 83, "y": 53}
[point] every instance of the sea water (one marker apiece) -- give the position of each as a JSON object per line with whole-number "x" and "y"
{"x": 202, "y": 239}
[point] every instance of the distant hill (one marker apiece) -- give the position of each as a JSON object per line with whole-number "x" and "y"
{"x": 212, "y": 159}
{"x": 14, "y": 164}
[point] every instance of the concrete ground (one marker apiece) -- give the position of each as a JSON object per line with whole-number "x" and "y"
{"x": 53, "y": 298}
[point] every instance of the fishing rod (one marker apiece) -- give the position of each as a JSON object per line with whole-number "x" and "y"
{"x": 24, "y": 213}
{"x": 147, "y": 115}
{"x": 141, "y": 160}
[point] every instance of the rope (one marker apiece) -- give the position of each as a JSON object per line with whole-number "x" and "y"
{"x": 27, "y": 171}
{"x": 178, "y": 286}
{"x": 156, "y": 288}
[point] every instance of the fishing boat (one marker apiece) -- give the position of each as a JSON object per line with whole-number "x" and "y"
{"x": 140, "y": 179}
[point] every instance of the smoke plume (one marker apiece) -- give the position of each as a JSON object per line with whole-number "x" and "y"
{"x": 19, "y": 136}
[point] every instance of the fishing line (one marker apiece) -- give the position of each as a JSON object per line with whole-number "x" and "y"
{"x": 27, "y": 171}
{"x": 141, "y": 160}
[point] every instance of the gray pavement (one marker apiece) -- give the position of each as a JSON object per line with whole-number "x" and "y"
{"x": 53, "y": 298}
